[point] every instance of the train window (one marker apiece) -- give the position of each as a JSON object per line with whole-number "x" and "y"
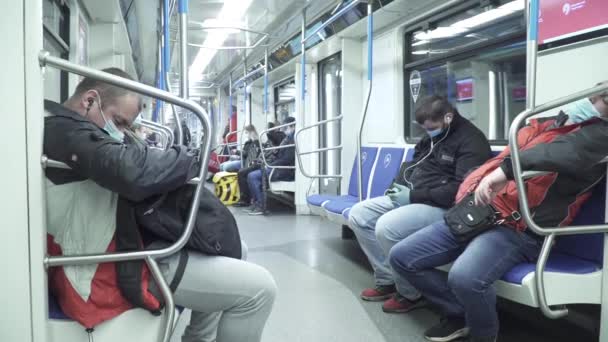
{"x": 285, "y": 100}
{"x": 477, "y": 60}
{"x": 56, "y": 26}
{"x": 330, "y": 106}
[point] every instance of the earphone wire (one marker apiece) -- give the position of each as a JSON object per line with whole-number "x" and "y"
{"x": 404, "y": 175}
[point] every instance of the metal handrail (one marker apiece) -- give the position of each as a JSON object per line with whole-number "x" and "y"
{"x": 229, "y": 144}
{"x": 524, "y": 207}
{"x": 370, "y": 83}
{"x": 263, "y": 149}
{"x": 47, "y": 60}
{"x": 320, "y": 150}
{"x": 161, "y": 129}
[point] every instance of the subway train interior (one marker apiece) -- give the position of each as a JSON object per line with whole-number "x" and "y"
{"x": 142, "y": 137}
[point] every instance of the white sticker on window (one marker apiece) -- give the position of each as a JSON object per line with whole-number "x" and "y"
{"x": 415, "y": 84}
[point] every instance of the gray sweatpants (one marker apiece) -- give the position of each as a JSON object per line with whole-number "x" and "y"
{"x": 230, "y": 299}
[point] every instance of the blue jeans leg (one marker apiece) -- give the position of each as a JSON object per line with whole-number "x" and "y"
{"x": 468, "y": 290}
{"x": 396, "y": 226}
{"x": 231, "y": 166}
{"x": 362, "y": 219}
{"x": 254, "y": 180}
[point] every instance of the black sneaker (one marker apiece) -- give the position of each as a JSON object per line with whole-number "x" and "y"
{"x": 449, "y": 329}
{"x": 257, "y": 212}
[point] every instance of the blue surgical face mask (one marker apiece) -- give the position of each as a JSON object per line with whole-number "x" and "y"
{"x": 581, "y": 110}
{"x": 110, "y": 127}
{"x": 434, "y": 132}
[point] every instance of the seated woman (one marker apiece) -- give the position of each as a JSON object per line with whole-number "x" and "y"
{"x": 285, "y": 157}
{"x": 251, "y": 151}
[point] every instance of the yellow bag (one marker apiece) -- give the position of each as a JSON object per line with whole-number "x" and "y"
{"x": 227, "y": 187}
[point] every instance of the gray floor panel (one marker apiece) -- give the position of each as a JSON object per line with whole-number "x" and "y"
{"x": 320, "y": 276}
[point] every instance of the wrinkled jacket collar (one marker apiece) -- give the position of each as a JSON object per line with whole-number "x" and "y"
{"x": 60, "y": 110}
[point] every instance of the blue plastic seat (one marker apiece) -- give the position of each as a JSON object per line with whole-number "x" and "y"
{"x": 574, "y": 254}
{"x": 316, "y": 202}
{"x": 340, "y": 206}
{"x": 389, "y": 162}
{"x": 55, "y": 311}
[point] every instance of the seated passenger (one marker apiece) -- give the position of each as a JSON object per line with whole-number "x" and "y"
{"x": 587, "y": 108}
{"x": 254, "y": 160}
{"x": 230, "y": 299}
{"x": 285, "y": 157}
{"x": 466, "y": 297}
{"x": 186, "y": 136}
{"x": 419, "y": 196}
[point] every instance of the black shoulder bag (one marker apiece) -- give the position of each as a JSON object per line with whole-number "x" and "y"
{"x": 466, "y": 220}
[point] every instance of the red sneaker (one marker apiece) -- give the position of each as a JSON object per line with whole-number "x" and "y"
{"x": 379, "y": 293}
{"x": 400, "y": 304}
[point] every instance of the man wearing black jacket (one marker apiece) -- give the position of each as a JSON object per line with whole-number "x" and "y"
{"x": 421, "y": 192}
{"x": 466, "y": 296}
{"x": 229, "y": 298}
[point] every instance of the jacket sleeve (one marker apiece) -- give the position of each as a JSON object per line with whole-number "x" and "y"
{"x": 474, "y": 152}
{"x": 134, "y": 171}
{"x": 568, "y": 154}
{"x": 287, "y": 156}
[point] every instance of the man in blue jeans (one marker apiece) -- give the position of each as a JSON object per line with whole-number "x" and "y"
{"x": 421, "y": 192}
{"x": 285, "y": 157}
{"x": 466, "y": 297}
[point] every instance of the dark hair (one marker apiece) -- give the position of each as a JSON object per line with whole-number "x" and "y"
{"x": 270, "y": 125}
{"x": 108, "y": 93}
{"x": 433, "y": 108}
{"x": 251, "y": 128}
{"x": 289, "y": 120}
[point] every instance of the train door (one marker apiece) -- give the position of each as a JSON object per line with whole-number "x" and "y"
{"x": 330, "y": 106}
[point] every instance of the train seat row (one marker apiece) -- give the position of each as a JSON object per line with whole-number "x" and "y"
{"x": 575, "y": 262}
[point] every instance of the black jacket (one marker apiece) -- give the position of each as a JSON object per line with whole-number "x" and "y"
{"x": 576, "y": 154}
{"x": 133, "y": 171}
{"x": 285, "y": 157}
{"x": 436, "y": 179}
{"x": 251, "y": 152}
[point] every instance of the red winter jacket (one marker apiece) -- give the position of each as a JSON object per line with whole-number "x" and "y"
{"x": 571, "y": 153}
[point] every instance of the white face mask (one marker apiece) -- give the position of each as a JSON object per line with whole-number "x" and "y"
{"x": 581, "y": 110}
{"x": 110, "y": 127}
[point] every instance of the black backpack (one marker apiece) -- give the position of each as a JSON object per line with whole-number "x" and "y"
{"x": 215, "y": 231}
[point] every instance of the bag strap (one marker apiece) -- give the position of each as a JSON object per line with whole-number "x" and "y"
{"x": 179, "y": 272}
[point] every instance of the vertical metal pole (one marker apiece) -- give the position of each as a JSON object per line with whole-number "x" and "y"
{"x": 167, "y": 67}
{"x": 303, "y": 68}
{"x": 229, "y": 102}
{"x": 159, "y": 70}
{"x": 266, "y": 84}
{"x": 246, "y": 116}
{"x": 183, "y": 30}
{"x": 370, "y": 49}
{"x": 532, "y": 11}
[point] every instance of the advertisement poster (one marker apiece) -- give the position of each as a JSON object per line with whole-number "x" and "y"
{"x": 559, "y": 19}
{"x": 464, "y": 90}
{"x": 519, "y": 94}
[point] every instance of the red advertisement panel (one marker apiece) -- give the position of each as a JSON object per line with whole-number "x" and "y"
{"x": 464, "y": 89}
{"x": 559, "y": 19}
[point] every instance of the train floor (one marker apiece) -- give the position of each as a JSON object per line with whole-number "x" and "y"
{"x": 320, "y": 275}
